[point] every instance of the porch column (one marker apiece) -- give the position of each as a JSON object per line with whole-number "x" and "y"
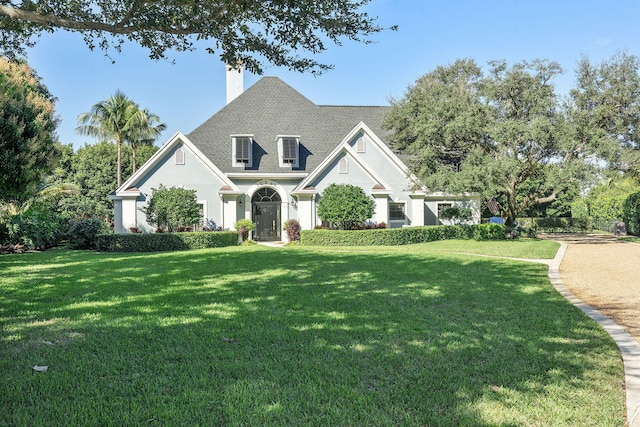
{"x": 381, "y": 214}
{"x": 125, "y": 209}
{"x": 230, "y": 202}
{"x": 417, "y": 208}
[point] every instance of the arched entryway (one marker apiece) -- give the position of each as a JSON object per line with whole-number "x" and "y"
{"x": 266, "y": 206}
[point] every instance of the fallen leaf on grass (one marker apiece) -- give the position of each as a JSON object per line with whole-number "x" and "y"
{"x": 37, "y": 368}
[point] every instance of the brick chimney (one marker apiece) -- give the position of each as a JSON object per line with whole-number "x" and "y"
{"x": 235, "y": 83}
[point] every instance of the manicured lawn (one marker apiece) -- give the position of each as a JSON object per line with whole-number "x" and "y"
{"x": 413, "y": 336}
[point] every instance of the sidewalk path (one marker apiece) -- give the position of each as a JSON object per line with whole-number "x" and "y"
{"x": 601, "y": 275}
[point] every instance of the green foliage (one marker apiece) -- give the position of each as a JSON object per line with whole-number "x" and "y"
{"x": 631, "y": 214}
{"x": 346, "y": 206}
{"x": 606, "y": 200}
{"x": 172, "y": 208}
{"x": 37, "y": 229}
{"x": 93, "y": 169}
{"x": 121, "y": 120}
{"x": 503, "y": 134}
{"x": 83, "y": 233}
{"x": 401, "y": 236}
{"x": 27, "y": 126}
{"x": 558, "y": 224}
{"x": 252, "y": 32}
{"x": 606, "y": 110}
{"x": 157, "y": 242}
{"x": 243, "y": 226}
{"x": 456, "y": 214}
{"x": 292, "y": 228}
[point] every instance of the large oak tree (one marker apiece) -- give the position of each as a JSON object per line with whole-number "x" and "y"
{"x": 504, "y": 133}
{"x": 249, "y": 31}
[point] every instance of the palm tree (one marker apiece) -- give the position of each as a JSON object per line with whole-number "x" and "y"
{"x": 119, "y": 118}
{"x": 144, "y": 132}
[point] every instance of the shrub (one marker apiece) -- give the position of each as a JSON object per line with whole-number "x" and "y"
{"x": 456, "y": 214}
{"x": 37, "y": 229}
{"x": 157, "y": 242}
{"x": 172, "y": 208}
{"x": 292, "y": 228}
{"x": 401, "y": 236}
{"x": 83, "y": 233}
{"x": 631, "y": 214}
{"x": 243, "y": 226}
{"x": 345, "y": 205}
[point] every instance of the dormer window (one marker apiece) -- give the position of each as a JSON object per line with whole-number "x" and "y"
{"x": 288, "y": 151}
{"x": 242, "y": 150}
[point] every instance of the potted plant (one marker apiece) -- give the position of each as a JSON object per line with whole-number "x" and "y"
{"x": 243, "y": 226}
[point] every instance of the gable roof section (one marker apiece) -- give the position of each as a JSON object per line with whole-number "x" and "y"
{"x": 344, "y": 146}
{"x": 161, "y": 155}
{"x": 270, "y": 108}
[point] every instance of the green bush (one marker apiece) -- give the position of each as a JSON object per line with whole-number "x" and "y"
{"x": 36, "y": 229}
{"x": 346, "y": 206}
{"x": 631, "y": 214}
{"x": 157, "y": 242}
{"x": 401, "y": 236}
{"x": 83, "y": 233}
{"x": 557, "y": 224}
{"x": 172, "y": 208}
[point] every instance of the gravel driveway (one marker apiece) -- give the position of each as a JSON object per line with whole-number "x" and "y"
{"x": 605, "y": 273}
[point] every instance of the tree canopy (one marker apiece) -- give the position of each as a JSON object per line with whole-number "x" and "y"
{"x": 246, "y": 31}
{"x": 120, "y": 119}
{"x": 606, "y": 110}
{"x": 503, "y": 133}
{"x": 27, "y": 131}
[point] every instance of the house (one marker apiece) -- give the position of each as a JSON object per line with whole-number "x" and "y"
{"x": 268, "y": 155}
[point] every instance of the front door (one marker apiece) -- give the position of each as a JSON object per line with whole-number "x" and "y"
{"x": 267, "y": 220}
{"x": 266, "y": 206}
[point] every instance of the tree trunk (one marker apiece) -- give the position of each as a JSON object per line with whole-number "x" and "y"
{"x": 119, "y": 173}
{"x": 133, "y": 158}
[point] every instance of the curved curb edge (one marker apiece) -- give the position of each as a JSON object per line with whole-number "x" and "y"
{"x": 629, "y": 348}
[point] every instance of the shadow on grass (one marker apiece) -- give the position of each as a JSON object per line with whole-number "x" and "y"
{"x": 280, "y": 337}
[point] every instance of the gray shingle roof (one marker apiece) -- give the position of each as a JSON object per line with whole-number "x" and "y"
{"x": 270, "y": 108}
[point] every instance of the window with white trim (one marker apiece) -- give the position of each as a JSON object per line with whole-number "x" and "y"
{"x": 361, "y": 145}
{"x": 242, "y": 147}
{"x": 289, "y": 151}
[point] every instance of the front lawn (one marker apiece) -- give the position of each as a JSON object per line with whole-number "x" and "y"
{"x": 416, "y": 335}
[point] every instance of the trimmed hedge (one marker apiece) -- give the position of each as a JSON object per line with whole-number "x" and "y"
{"x": 557, "y": 224}
{"x": 401, "y": 236}
{"x": 157, "y": 242}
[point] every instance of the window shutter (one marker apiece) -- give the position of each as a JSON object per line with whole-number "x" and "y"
{"x": 289, "y": 150}
{"x": 242, "y": 150}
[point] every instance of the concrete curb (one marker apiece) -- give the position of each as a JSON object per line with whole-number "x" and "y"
{"x": 629, "y": 347}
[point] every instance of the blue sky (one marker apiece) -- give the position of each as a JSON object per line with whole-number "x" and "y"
{"x": 430, "y": 33}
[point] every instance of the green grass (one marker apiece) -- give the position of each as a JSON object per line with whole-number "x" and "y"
{"x": 415, "y": 335}
{"x": 632, "y": 239}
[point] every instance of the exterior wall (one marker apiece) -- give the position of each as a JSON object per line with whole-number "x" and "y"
{"x": 395, "y": 181}
{"x": 193, "y": 175}
{"x": 432, "y": 202}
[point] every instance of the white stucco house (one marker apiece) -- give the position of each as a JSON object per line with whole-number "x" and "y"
{"x": 268, "y": 155}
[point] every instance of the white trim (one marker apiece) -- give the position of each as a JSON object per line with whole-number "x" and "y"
{"x": 280, "y": 143}
{"x": 160, "y": 155}
{"x": 264, "y": 175}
